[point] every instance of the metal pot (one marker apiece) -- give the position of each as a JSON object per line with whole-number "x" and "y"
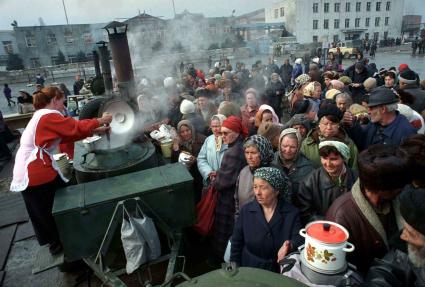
{"x": 90, "y": 143}
{"x": 325, "y": 246}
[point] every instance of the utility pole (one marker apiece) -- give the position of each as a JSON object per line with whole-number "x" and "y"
{"x": 64, "y": 9}
{"x": 174, "y": 9}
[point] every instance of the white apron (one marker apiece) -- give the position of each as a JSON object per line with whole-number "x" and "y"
{"x": 28, "y": 150}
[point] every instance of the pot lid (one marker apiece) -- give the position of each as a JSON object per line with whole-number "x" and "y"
{"x": 327, "y": 232}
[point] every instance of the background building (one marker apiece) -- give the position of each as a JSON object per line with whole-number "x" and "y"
{"x": 8, "y": 46}
{"x": 338, "y": 20}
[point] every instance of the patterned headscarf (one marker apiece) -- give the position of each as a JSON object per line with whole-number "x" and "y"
{"x": 264, "y": 147}
{"x": 277, "y": 179}
{"x": 341, "y": 147}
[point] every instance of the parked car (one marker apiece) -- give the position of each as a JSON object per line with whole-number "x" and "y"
{"x": 348, "y": 48}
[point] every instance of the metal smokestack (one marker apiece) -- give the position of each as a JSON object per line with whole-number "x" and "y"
{"x": 117, "y": 33}
{"x": 106, "y": 66}
{"x": 96, "y": 64}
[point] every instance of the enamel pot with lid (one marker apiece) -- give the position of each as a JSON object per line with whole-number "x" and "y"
{"x": 325, "y": 246}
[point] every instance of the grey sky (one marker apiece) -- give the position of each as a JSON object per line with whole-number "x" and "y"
{"x": 27, "y": 12}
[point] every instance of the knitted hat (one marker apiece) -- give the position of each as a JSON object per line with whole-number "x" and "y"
{"x": 187, "y": 107}
{"x": 269, "y": 130}
{"x": 407, "y": 77}
{"x": 298, "y": 119}
{"x": 202, "y": 92}
{"x": 346, "y": 80}
{"x": 227, "y": 109}
{"x": 403, "y": 67}
{"x": 235, "y": 124}
{"x": 329, "y": 110}
{"x": 169, "y": 82}
{"x": 332, "y": 93}
{"x": 274, "y": 176}
{"x": 412, "y": 207}
{"x": 369, "y": 83}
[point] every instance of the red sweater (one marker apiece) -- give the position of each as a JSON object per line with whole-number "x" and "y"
{"x": 50, "y": 128}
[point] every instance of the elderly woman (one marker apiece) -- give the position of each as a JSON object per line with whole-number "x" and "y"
{"x": 289, "y": 159}
{"x": 233, "y": 161}
{"x": 329, "y": 127}
{"x": 258, "y": 153}
{"x": 267, "y": 227}
{"x": 25, "y": 102}
{"x": 35, "y": 173}
{"x": 204, "y": 106}
{"x": 312, "y": 93}
{"x": 190, "y": 142}
{"x": 265, "y": 114}
{"x": 321, "y": 187}
{"x": 212, "y": 151}
{"x": 275, "y": 90}
{"x": 343, "y": 101}
{"x": 301, "y": 123}
{"x": 250, "y": 109}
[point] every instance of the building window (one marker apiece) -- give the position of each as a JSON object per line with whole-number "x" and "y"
{"x": 51, "y": 39}
{"x": 315, "y": 24}
{"x": 376, "y": 36}
{"x": 336, "y": 38}
{"x": 30, "y": 40}
{"x": 315, "y": 39}
{"x": 72, "y": 58}
{"x": 35, "y": 62}
{"x": 326, "y": 7}
{"x": 326, "y": 24}
{"x": 368, "y": 6}
{"x": 358, "y": 6}
{"x": 387, "y": 20}
{"x": 87, "y": 38}
{"x": 378, "y": 6}
{"x": 388, "y": 7}
{"x": 336, "y": 7}
{"x": 377, "y": 20}
{"x": 69, "y": 39}
{"x": 347, "y": 23}
{"x": 347, "y": 7}
{"x": 385, "y": 35}
{"x": 276, "y": 13}
{"x": 7, "y": 46}
{"x": 336, "y": 24}
{"x": 282, "y": 12}
{"x": 367, "y": 24}
{"x": 357, "y": 23}
{"x": 315, "y": 7}
{"x": 366, "y": 35}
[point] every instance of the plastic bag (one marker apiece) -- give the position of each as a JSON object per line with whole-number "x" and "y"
{"x": 139, "y": 239}
{"x": 228, "y": 251}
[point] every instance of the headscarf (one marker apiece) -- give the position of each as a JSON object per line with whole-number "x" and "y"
{"x": 309, "y": 89}
{"x": 235, "y": 124}
{"x": 286, "y": 132}
{"x": 341, "y": 147}
{"x": 218, "y": 140}
{"x": 219, "y": 117}
{"x": 264, "y": 148}
{"x": 259, "y": 115}
{"x": 337, "y": 85}
{"x": 187, "y": 144}
{"x": 276, "y": 178}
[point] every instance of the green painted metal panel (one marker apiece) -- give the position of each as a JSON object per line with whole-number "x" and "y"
{"x": 82, "y": 212}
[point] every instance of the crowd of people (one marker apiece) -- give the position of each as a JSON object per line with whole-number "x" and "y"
{"x": 282, "y": 148}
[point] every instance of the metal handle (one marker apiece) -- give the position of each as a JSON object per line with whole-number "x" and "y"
{"x": 349, "y": 247}
{"x": 303, "y": 233}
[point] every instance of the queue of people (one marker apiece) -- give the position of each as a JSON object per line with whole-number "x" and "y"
{"x": 331, "y": 148}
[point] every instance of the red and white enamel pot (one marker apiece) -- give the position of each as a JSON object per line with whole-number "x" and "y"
{"x": 326, "y": 246}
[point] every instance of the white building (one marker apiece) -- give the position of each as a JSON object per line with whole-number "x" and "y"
{"x": 338, "y": 20}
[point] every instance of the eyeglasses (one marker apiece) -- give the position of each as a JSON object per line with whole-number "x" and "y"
{"x": 225, "y": 133}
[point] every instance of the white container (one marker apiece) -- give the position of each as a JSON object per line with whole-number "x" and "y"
{"x": 326, "y": 246}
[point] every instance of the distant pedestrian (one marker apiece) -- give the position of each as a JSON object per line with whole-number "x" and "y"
{"x": 8, "y": 95}
{"x": 39, "y": 79}
{"x": 414, "y": 46}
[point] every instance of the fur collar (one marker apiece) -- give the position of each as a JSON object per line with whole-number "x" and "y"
{"x": 368, "y": 212}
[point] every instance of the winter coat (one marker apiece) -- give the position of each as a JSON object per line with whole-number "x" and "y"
{"x": 358, "y": 93}
{"x": 274, "y": 93}
{"x": 246, "y": 115}
{"x": 207, "y": 115}
{"x": 209, "y": 159}
{"x": 256, "y": 242}
{"x": 286, "y": 73}
{"x": 317, "y": 192}
{"x": 296, "y": 71}
{"x": 299, "y": 170}
{"x": 395, "y": 270}
{"x": 392, "y": 134}
{"x": 367, "y": 234}
{"x": 225, "y": 183}
{"x": 418, "y": 95}
{"x": 310, "y": 148}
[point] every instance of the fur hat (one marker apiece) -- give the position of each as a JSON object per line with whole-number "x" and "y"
{"x": 412, "y": 207}
{"x": 269, "y": 130}
{"x": 187, "y": 107}
{"x": 369, "y": 83}
{"x": 407, "y": 77}
{"x": 329, "y": 110}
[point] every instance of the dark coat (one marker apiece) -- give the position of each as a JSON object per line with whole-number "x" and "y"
{"x": 301, "y": 168}
{"x": 317, "y": 192}
{"x": 256, "y": 242}
{"x": 357, "y": 93}
{"x": 392, "y": 134}
{"x": 355, "y": 213}
{"x": 286, "y": 73}
{"x": 418, "y": 97}
{"x": 225, "y": 184}
{"x": 274, "y": 93}
{"x": 395, "y": 270}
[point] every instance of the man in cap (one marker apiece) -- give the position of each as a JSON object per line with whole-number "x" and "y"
{"x": 398, "y": 268}
{"x": 387, "y": 125}
{"x": 408, "y": 81}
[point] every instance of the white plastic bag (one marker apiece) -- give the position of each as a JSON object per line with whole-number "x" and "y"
{"x": 139, "y": 239}
{"x": 228, "y": 250}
